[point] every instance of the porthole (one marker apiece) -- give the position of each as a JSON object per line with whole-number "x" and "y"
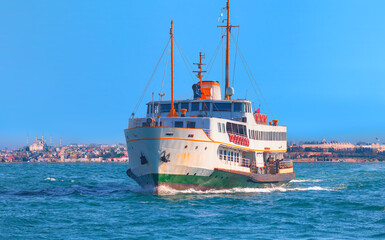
{"x": 205, "y": 148}
{"x": 187, "y": 173}
{"x": 196, "y": 147}
{"x": 185, "y": 146}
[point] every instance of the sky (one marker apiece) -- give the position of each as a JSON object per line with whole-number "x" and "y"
{"x": 76, "y": 69}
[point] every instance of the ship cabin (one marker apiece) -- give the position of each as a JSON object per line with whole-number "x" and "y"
{"x": 220, "y": 119}
{"x": 228, "y": 121}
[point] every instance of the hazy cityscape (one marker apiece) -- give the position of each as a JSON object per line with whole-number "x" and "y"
{"x": 40, "y": 151}
{"x": 314, "y": 151}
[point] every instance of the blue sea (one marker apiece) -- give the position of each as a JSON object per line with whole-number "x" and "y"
{"x": 98, "y": 201}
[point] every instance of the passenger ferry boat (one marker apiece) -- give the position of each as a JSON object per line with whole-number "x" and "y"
{"x": 208, "y": 142}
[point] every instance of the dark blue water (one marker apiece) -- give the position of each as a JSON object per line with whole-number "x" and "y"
{"x": 98, "y": 201}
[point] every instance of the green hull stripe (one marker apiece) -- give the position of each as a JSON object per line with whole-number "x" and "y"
{"x": 217, "y": 179}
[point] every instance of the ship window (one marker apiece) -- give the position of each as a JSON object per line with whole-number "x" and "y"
{"x": 148, "y": 109}
{"x": 223, "y": 127}
{"x": 195, "y": 106}
{"x": 239, "y": 107}
{"x": 242, "y": 130}
{"x": 248, "y": 107}
{"x": 178, "y": 124}
{"x": 219, "y": 127}
{"x": 224, "y": 107}
{"x": 184, "y": 105}
{"x": 165, "y": 107}
{"x": 206, "y": 106}
{"x": 224, "y": 154}
{"x": 229, "y": 127}
{"x": 190, "y": 124}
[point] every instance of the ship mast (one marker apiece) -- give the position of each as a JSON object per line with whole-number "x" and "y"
{"x": 199, "y": 73}
{"x": 227, "y": 67}
{"x": 172, "y": 112}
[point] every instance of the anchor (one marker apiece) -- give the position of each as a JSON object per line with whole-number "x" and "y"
{"x": 164, "y": 158}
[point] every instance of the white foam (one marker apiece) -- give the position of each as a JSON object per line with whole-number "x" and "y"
{"x": 169, "y": 191}
{"x": 315, "y": 188}
{"x": 306, "y": 180}
{"x": 50, "y": 179}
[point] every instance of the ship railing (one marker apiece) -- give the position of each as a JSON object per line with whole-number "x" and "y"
{"x": 286, "y": 164}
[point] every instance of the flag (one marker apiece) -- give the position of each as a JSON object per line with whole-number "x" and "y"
{"x": 258, "y": 110}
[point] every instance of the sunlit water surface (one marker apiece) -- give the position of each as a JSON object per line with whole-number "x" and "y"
{"x": 98, "y": 201}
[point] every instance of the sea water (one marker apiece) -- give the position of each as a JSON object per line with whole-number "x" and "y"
{"x": 98, "y": 201}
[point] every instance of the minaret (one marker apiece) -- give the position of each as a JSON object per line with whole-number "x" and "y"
{"x": 50, "y": 141}
{"x": 60, "y": 142}
{"x": 42, "y": 138}
{"x": 27, "y": 140}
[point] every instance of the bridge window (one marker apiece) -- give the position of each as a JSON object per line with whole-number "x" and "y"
{"x": 165, "y": 107}
{"x": 184, "y": 105}
{"x": 248, "y": 107}
{"x": 195, "y": 106}
{"x": 206, "y": 106}
{"x": 223, "y": 107}
{"x": 238, "y": 107}
{"x": 219, "y": 127}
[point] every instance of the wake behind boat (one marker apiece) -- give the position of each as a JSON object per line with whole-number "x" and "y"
{"x": 207, "y": 142}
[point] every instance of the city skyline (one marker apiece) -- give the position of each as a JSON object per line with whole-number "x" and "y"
{"x": 75, "y": 70}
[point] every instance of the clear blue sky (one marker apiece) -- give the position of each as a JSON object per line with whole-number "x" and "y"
{"x": 75, "y": 69}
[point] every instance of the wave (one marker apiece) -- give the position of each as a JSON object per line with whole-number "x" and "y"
{"x": 50, "y": 179}
{"x": 169, "y": 191}
{"x": 306, "y": 180}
